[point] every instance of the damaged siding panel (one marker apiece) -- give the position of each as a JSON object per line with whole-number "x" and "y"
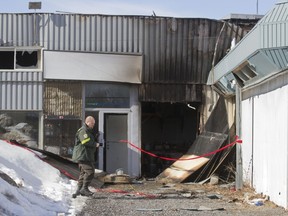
{"x": 170, "y": 93}
{"x": 175, "y": 50}
{"x": 63, "y": 99}
{"x": 21, "y": 90}
{"x": 186, "y": 50}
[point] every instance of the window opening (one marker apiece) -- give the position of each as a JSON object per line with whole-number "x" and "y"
{"x": 7, "y": 60}
{"x": 20, "y": 58}
{"x": 107, "y": 95}
{"x": 26, "y": 59}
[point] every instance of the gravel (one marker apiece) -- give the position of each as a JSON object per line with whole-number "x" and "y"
{"x": 151, "y": 198}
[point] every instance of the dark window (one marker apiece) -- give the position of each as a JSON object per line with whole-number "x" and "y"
{"x": 7, "y": 60}
{"x": 107, "y": 95}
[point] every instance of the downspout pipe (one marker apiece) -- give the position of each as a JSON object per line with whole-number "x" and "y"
{"x": 239, "y": 161}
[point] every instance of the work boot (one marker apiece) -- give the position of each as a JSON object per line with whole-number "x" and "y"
{"x": 77, "y": 192}
{"x": 85, "y": 191}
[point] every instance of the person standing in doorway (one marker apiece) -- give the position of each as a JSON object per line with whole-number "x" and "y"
{"x": 84, "y": 154}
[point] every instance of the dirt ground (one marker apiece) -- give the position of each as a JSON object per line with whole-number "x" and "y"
{"x": 152, "y": 198}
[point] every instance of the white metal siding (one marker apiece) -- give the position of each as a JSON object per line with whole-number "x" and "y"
{"x": 247, "y": 136}
{"x": 266, "y": 132}
{"x": 21, "y": 90}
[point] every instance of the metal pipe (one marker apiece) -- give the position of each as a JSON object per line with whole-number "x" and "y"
{"x": 239, "y": 161}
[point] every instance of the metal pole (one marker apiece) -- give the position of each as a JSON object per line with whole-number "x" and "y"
{"x": 239, "y": 168}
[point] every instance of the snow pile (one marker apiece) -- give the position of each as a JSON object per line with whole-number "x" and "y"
{"x": 41, "y": 188}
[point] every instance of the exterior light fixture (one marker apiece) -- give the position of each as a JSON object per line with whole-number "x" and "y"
{"x": 35, "y": 5}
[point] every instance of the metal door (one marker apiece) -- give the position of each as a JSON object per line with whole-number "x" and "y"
{"x": 116, "y": 153}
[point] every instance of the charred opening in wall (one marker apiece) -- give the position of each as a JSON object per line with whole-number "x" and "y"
{"x": 26, "y": 59}
{"x": 168, "y": 130}
{"x": 212, "y": 152}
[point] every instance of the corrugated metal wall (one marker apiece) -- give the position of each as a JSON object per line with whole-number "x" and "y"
{"x": 176, "y": 50}
{"x": 21, "y": 90}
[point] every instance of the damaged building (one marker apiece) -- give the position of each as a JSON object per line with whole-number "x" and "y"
{"x": 143, "y": 78}
{"x": 255, "y": 73}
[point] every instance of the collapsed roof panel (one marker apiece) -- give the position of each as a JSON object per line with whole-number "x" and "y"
{"x": 192, "y": 160}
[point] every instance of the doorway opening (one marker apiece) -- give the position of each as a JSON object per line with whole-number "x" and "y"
{"x": 168, "y": 130}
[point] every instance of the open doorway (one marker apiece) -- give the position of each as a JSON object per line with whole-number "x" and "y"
{"x": 168, "y": 130}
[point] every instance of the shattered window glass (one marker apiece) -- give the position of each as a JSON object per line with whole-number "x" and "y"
{"x": 26, "y": 59}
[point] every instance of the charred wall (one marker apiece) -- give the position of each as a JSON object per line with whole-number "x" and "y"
{"x": 176, "y": 51}
{"x": 179, "y": 54}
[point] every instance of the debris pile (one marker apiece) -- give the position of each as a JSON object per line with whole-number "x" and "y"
{"x": 21, "y": 132}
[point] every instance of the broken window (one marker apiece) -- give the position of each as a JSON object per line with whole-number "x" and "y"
{"x": 26, "y": 59}
{"x": 20, "y": 58}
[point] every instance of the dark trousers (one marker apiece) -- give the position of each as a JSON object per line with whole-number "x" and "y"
{"x": 86, "y": 176}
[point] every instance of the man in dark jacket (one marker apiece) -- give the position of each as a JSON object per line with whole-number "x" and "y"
{"x": 84, "y": 154}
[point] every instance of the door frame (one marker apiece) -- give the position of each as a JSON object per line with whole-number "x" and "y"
{"x": 101, "y": 121}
